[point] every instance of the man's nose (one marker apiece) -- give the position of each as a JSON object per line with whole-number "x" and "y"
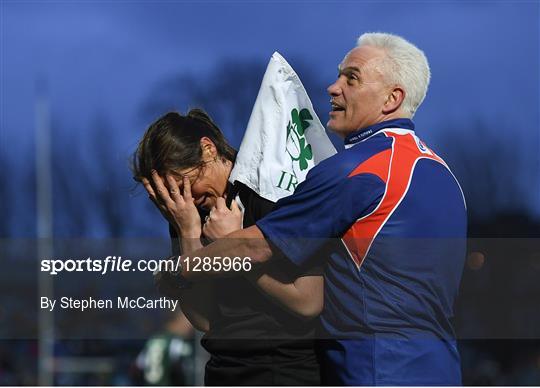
{"x": 334, "y": 89}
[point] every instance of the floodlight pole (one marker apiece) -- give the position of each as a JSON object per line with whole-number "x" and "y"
{"x": 44, "y": 232}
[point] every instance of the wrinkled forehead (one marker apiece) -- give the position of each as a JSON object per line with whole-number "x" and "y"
{"x": 363, "y": 58}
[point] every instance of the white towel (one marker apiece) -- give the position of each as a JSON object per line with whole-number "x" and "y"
{"x": 284, "y": 138}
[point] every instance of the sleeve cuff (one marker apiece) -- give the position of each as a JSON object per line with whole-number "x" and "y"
{"x": 291, "y": 248}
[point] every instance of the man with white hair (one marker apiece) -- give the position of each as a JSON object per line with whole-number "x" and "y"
{"x": 387, "y": 219}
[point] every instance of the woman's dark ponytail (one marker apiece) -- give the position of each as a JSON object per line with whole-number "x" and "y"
{"x": 223, "y": 147}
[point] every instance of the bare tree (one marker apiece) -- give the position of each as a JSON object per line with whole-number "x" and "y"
{"x": 227, "y": 93}
{"x": 488, "y": 168}
{"x": 90, "y": 181}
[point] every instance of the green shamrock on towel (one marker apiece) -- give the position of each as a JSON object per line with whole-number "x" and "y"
{"x": 297, "y": 146}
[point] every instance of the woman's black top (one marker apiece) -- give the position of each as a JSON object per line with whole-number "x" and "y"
{"x": 253, "y": 340}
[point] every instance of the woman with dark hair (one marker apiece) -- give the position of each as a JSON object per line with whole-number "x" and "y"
{"x": 258, "y": 328}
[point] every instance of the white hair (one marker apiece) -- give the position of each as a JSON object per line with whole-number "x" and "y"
{"x": 407, "y": 66}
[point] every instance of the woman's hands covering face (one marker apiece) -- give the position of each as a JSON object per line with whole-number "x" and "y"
{"x": 222, "y": 220}
{"x": 177, "y": 208}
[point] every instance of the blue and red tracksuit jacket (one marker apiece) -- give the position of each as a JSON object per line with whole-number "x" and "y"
{"x": 387, "y": 219}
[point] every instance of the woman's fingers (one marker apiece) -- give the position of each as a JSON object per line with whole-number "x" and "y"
{"x": 187, "y": 189}
{"x": 149, "y": 188}
{"x": 174, "y": 190}
{"x": 151, "y": 193}
{"x": 234, "y": 207}
{"x": 162, "y": 192}
{"x": 220, "y": 203}
{"x": 152, "y": 196}
{"x": 160, "y": 206}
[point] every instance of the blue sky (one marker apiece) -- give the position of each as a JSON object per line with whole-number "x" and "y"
{"x": 105, "y": 57}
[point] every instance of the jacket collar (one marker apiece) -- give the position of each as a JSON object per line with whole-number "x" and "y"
{"x": 364, "y": 133}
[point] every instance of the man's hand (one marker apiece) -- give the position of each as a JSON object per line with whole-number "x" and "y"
{"x": 178, "y": 209}
{"x": 222, "y": 220}
{"x": 243, "y": 243}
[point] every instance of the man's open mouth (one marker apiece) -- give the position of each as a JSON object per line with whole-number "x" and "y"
{"x": 337, "y": 108}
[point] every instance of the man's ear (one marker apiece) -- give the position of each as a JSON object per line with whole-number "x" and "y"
{"x": 208, "y": 147}
{"x": 394, "y": 100}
